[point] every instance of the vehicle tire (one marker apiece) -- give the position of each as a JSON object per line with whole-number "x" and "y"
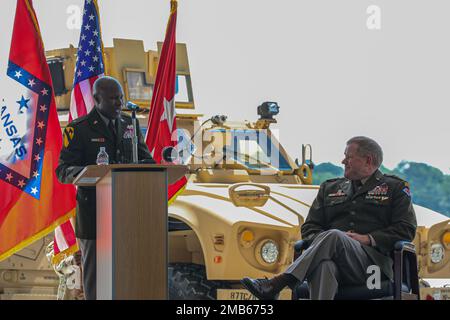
{"x": 188, "y": 281}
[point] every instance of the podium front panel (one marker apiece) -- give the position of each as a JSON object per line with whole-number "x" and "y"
{"x": 132, "y": 235}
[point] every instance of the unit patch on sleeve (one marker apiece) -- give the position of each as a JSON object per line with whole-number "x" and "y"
{"x": 68, "y": 136}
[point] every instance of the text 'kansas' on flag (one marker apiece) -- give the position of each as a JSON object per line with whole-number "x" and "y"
{"x": 32, "y": 200}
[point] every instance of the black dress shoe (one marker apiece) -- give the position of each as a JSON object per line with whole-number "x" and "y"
{"x": 263, "y": 289}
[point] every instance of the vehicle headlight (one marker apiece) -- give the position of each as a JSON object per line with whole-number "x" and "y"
{"x": 269, "y": 251}
{"x": 446, "y": 238}
{"x": 437, "y": 253}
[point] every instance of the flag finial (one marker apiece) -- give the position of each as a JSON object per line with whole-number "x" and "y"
{"x": 173, "y": 5}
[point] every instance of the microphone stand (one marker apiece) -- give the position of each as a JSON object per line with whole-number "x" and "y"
{"x": 135, "y": 137}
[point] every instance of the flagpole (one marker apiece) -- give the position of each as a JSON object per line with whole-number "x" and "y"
{"x": 101, "y": 38}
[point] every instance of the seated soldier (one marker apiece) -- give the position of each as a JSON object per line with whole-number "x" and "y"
{"x": 352, "y": 224}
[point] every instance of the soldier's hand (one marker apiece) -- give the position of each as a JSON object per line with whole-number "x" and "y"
{"x": 362, "y": 238}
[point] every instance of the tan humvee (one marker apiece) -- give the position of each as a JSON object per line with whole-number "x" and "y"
{"x": 242, "y": 209}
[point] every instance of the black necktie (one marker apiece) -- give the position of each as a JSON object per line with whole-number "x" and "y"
{"x": 112, "y": 128}
{"x": 358, "y": 184}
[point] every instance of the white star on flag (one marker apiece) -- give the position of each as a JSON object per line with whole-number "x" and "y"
{"x": 169, "y": 113}
{"x": 34, "y": 190}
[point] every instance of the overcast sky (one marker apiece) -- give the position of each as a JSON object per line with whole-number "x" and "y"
{"x": 332, "y": 76}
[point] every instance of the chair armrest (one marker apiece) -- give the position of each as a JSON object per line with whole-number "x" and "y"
{"x": 299, "y": 246}
{"x": 405, "y": 246}
{"x": 405, "y": 268}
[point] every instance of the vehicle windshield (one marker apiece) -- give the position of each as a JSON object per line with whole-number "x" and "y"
{"x": 255, "y": 150}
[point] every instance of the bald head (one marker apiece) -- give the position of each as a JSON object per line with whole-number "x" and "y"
{"x": 108, "y": 97}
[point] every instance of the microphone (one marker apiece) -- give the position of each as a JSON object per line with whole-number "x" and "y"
{"x": 132, "y": 106}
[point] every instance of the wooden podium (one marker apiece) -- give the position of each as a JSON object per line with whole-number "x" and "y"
{"x": 132, "y": 230}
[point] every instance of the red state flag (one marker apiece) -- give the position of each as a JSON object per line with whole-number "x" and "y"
{"x": 161, "y": 132}
{"x": 32, "y": 201}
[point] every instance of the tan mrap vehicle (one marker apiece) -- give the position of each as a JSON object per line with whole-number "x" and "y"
{"x": 244, "y": 203}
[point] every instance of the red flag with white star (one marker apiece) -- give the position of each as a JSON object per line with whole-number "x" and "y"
{"x": 32, "y": 201}
{"x": 161, "y": 132}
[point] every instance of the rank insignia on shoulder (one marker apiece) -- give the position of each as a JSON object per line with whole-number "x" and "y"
{"x": 68, "y": 136}
{"x": 339, "y": 193}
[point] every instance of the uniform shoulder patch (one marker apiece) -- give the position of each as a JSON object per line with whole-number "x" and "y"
{"x": 68, "y": 135}
{"x": 404, "y": 184}
{"x": 407, "y": 191}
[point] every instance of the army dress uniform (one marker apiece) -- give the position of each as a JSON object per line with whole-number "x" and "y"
{"x": 83, "y": 138}
{"x": 380, "y": 208}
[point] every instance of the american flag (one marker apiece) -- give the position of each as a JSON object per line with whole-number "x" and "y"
{"x": 89, "y": 67}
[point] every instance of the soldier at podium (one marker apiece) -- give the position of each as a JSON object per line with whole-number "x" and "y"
{"x": 103, "y": 136}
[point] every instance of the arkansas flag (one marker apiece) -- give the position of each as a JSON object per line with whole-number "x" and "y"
{"x": 161, "y": 135}
{"x": 32, "y": 201}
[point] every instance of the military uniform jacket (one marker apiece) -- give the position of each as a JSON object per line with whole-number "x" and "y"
{"x": 382, "y": 208}
{"x": 83, "y": 138}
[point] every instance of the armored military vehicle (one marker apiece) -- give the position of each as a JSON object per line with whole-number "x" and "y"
{"x": 242, "y": 208}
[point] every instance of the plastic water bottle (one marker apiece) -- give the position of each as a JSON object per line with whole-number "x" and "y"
{"x": 102, "y": 157}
